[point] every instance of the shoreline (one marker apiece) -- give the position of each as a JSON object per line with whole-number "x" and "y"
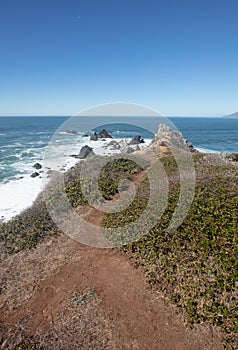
{"x": 19, "y": 195}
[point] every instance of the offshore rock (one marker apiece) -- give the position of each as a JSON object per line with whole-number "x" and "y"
{"x": 103, "y": 134}
{"x": 37, "y": 166}
{"x": 136, "y": 140}
{"x": 94, "y": 136}
{"x": 72, "y": 132}
{"x": 167, "y": 137}
{"x": 85, "y": 152}
{"x": 35, "y": 174}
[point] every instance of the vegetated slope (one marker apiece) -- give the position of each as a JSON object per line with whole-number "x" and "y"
{"x": 197, "y": 264}
{"x": 74, "y": 289}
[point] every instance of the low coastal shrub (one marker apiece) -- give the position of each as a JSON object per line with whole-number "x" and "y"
{"x": 25, "y": 230}
{"x": 34, "y": 224}
{"x": 79, "y": 185}
{"x": 196, "y": 265}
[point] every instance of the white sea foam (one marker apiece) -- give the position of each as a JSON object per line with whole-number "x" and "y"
{"x": 33, "y": 143}
{"x": 19, "y": 194}
{"x": 206, "y": 150}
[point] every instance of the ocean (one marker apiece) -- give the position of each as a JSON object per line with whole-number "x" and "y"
{"x": 23, "y": 141}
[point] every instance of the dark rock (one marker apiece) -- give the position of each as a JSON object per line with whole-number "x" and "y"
{"x": 85, "y": 135}
{"x": 136, "y": 140}
{"x": 72, "y": 132}
{"x": 35, "y": 174}
{"x": 189, "y": 144}
{"x": 103, "y": 134}
{"x": 37, "y": 166}
{"x": 85, "y": 152}
{"x": 94, "y": 137}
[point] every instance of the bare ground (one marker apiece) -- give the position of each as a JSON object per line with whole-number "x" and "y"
{"x": 38, "y": 286}
{"x": 36, "y": 300}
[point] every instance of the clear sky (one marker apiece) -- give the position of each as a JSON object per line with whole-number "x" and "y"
{"x": 60, "y": 56}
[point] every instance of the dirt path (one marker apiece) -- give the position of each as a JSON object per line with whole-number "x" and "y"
{"x": 141, "y": 319}
{"x": 38, "y": 285}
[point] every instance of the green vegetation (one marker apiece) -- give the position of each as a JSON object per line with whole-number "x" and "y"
{"x": 27, "y": 229}
{"x": 34, "y": 224}
{"x": 111, "y": 174}
{"x": 196, "y": 264}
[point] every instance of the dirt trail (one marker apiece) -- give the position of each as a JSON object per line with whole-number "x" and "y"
{"x": 138, "y": 317}
{"x": 142, "y": 319}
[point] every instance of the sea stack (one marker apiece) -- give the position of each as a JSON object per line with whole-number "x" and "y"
{"x": 166, "y": 138}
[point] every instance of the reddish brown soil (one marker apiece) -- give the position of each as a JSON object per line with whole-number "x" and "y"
{"x": 138, "y": 318}
{"x": 143, "y": 319}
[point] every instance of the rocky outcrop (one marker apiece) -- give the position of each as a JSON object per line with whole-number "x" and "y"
{"x": 121, "y": 146}
{"x": 103, "y": 134}
{"x": 167, "y": 137}
{"x": 129, "y": 150}
{"x": 113, "y": 145}
{"x": 84, "y": 153}
{"x": 35, "y": 174}
{"x": 72, "y": 132}
{"x": 94, "y": 136}
{"x": 37, "y": 166}
{"x": 136, "y": 140}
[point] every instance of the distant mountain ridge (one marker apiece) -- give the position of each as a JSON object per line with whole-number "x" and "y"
{"x": 233, "y": 115}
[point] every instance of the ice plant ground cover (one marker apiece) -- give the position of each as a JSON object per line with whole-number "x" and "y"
{"x": 195, "y": 266}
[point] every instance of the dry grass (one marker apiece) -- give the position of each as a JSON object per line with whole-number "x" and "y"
{"x": 21, "y": 273}
{"x": 80, "y": 327}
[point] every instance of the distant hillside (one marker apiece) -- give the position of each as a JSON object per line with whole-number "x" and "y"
{"x": 233, "y": 115}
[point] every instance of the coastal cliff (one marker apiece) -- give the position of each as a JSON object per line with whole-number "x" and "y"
{"x": 58, "y": 291}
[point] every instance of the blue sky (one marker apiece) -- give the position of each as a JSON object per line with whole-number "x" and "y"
{"x": 179, "y": 57}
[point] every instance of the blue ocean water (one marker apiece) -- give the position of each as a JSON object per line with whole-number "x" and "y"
{"x": 23, "y": 139}
{"x": 210, "y": 134}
